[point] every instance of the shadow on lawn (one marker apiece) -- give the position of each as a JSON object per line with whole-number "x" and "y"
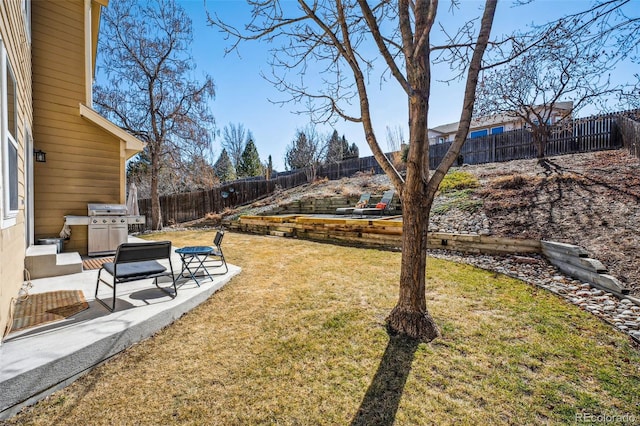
{"x": 381, "y": 401}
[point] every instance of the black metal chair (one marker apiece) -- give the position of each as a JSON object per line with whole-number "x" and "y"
{"x": 216, "y": 258}
{"x": 137, "y": 261}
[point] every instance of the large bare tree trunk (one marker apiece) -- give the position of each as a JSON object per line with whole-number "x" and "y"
{"x": 410, "y": 316}
{"x": 541, "y": 136}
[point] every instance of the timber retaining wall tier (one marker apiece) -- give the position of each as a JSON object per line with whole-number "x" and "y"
{"x": 383, "y": 232}
{"x": 328, "y": 205}
{"x": 575, "y": 262}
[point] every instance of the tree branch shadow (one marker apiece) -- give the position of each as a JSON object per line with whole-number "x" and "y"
{"x": 380, "y": 404}
{"x": 549, "y": 166}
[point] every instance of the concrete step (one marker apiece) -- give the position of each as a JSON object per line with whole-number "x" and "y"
{"x": 42, "y": 261}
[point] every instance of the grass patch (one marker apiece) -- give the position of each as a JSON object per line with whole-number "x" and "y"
{"x": 298, "y": 338}
{"x": 457, "y": 180}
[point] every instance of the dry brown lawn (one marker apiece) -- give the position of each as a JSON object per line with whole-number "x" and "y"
{"x": 298, "y": 338}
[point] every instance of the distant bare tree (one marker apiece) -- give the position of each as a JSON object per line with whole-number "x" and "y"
{"x": 147, "y": 61}
{"x": 395, "y": 138}
{"x": 396, "y": 143}
{"x": 234, "y": 140}
{"x": 571, "y": 63}
{"x": 176, "y": 175}
{"x": 306, "y": 151}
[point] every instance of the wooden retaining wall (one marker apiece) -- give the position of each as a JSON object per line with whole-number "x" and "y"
{"x": 376, "y": 232}
{"x": 575, "y": 262}
{"x": 329, "y": 205}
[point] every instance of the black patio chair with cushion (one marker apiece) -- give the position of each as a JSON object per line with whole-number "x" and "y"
{"x": 137, "y": 261}
{"x": 216, "y": 258}
{"x": 362, "y": 203}
{"x": 380, "y": 208}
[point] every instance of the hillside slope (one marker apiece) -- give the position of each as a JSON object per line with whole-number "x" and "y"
{"x": 591, "y": 200}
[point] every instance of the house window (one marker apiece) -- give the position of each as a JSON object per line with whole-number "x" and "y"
{"x": 497, "y": 130}
{"x": 441, "y": 139}
{"x": 9, "y": 134}
{"x": 479, "y": 133}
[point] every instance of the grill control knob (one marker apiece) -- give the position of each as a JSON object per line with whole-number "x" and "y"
{"x": 113, "y": 221}
{"x": 94, "y": 221}
{"x": 122, "y": 220}
{"x": 104, "y": 220}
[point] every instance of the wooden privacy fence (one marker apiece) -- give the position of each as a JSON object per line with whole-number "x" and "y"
{"x": 178, "y": 208}
{"x": 348, "y": 168}
{"x": 595, "y": 133}
{"x": 630, "y": 133}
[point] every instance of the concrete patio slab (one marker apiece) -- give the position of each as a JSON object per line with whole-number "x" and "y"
{"x": 37, "y": 361}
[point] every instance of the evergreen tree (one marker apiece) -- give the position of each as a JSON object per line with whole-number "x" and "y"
{"x": 300, "y": 153}
{"x": 223, "y": 168}
{"x": 335, "y": 148}
{"x": 338, "y": 149}
{"x": 269, "y": 169}
{"x": 352, "y": 151}
{"x": 250, "y": 164}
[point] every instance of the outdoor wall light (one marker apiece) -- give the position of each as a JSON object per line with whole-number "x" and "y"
{"x": 41, "y": 156}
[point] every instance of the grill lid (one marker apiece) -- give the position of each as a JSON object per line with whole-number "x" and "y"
{"x": 107, "y": 209}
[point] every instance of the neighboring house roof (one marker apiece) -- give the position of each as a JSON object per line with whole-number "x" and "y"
{"x": 563, "y": 105}
{"x": 133, "y": 145}
{"x": 492, "y": 119}
{"x": 446, "y": 128}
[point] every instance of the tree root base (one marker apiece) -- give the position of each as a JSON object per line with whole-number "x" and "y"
{"x": 415, "y": 325}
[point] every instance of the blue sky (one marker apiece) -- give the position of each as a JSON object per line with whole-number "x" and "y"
{"x": 242, "y": 95}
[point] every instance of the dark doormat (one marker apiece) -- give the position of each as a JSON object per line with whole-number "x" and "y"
{"x": 43, "y": 308}
{"x": 95, "y": 263}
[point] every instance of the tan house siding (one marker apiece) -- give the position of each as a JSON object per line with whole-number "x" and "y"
{"x": 13, "y": 32}
{"x": 84, "y": 162}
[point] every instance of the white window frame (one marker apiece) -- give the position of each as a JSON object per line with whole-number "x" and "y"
{"x": 8, "y": 215}
{"x": 26, "y": 14}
